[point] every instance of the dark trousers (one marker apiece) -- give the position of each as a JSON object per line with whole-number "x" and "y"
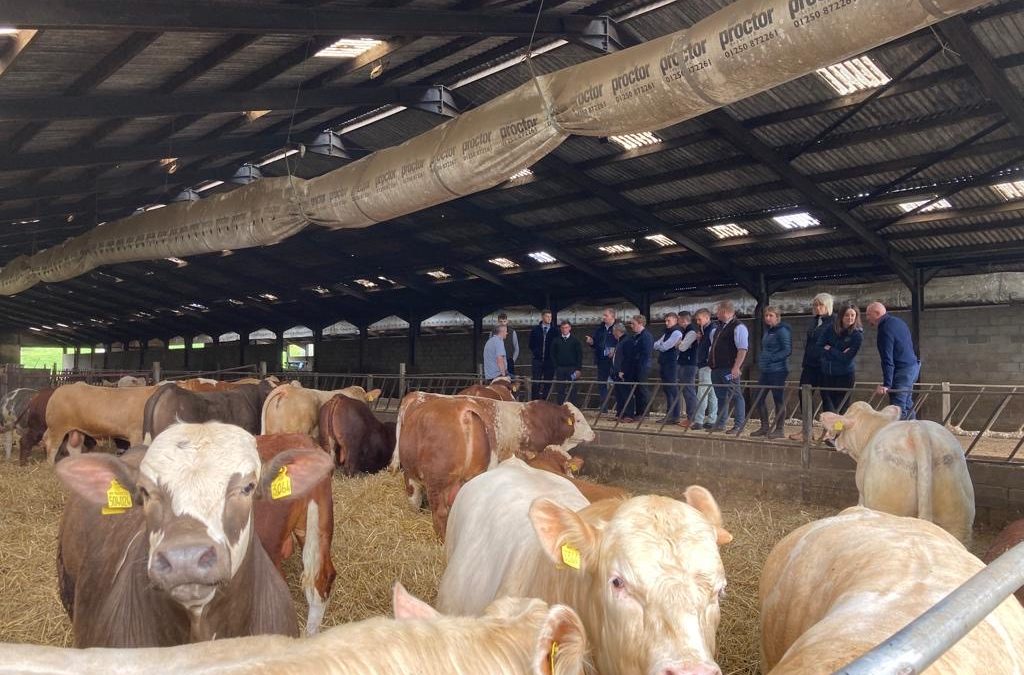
{"x": 621, "y": 394}
{"x": 811, "y": 376}
{"x": 638, "y": 405}
{"x": 903, "y": 380}
{"x": 687, "y": 381}
{"x": 566, "y": 386}
{"x": 778, "y": 395}
{"x": 669, "y": 373}
{"x": 604, "y": 370}
{"x": 542, "y": 373}
{"x": 834, "y": 401}
{"x": 728, "y": 391}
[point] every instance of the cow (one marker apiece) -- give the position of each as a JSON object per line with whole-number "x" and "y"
{"x": 358, "y": 440}
{"x": 129, "y": 381}
{"x": 514, "y": 636}
{"x": 200, "y": 384}
{"x": 911, "y": 468}
{"x": 500, "y": 389}
{"x": 156, "y": 548}
{"x": 560, "y": 463}
{"x": 644, "y": 574}
{"x": 95, "y": 412}
{"x": 309, "y": 521}
{"x": 239, "y": 406}
{"x": 1011, "y": 535}
{"x": 296, "y": 410}
{"x": 835, "y": 588}
{"x": 13, "y": 416}
{"x": 34, "y": 424}
{"x": 446, "y": 440}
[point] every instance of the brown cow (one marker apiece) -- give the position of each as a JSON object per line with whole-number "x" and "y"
{"x": 295, "y": 409}
{"x": 500, "y": 389}
{"x": 553, "y": 459}
{"x": 96, "y": 412}
{"x": 357, "y": 439}
{"x": 207, "y": 384}
{"x": 157, "y": 549}
{"x": 1011, "y": 535}
{"x": 239, "y": 406}
{"x": 310, "y": 521}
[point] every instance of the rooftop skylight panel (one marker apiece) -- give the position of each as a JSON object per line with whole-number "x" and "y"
{"x": 727, "y": 230}
{"x": 796, "y": 221}
{"x": 634, "y": 141}
{"x": 856, "y": 74}
{"x": 1011, "y": 191}
{"x": 348, "y": 48}
{"x": 269, "y": 297}
{"x": 615, "y": 248}
{"x": 661, "y": 240}
{"x": 504, "y": 263}
{"x": 386, "y": 280}
{"x": 937, "y": 206}
{"x": 542, "y": 257}
{"x": 439, "y": 274}
{"x": 320, "y": 290}
{"x": 198, "y": 305}
{"x": 177, "y": 261}
{"x": 366, "y": 283}
{"x": 235, "y": 302}
{"x": 518, "y": 175}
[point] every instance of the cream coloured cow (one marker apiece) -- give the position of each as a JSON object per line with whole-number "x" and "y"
{"x": 293, "y": 409}
{"x": 644, "y": 574}
{"x": 835, "y": 588}
{"x": 906, "y": 468}
{"x": 97, "y": 412}
{"x": 515, "y": 636}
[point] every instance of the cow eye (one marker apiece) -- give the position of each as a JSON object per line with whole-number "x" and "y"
{"x": 721, "y": 592}
{"x": 248, "y": 489}
{"x": 618, "y": 583}
{"x": 143, "y": 493}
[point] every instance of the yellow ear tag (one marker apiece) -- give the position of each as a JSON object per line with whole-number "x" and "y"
{"x": 119, "y": 499}
{"x": 554, "y": 653}
{"x": 838, "y": 426}
{"x": 281, "y": 486}
{"x": 571, "y": 556}
{"x": 569, "y": 421}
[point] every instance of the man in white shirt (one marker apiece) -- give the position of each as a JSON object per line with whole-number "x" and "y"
{"x": 495, "y": 360}
{"x": 668, "y": 366}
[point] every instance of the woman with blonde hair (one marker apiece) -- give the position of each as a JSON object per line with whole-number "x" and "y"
{"x": 810, "y": 373}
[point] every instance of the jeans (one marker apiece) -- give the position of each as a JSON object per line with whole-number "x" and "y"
{"x": 728, "y": 391}
{"x": 833, "y": 401}
{"x": 541, "y": 370}
{"x": 566, "y": 385}
{"x": 903, "y": 380}
{"x": 687, "y": 377}
{"x": 669, "y": 374}
{"x": 707, "y": 402}
{"x": 604, "y": 372}
{"x": 760, "y": 405}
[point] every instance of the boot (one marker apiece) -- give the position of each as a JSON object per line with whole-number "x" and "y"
{"x": 779, "y": 430}
{"x": 763, "y": 431}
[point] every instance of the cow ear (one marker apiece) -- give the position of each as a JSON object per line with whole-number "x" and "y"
{"x": 408, "y": 606}
{"x": 372, "y": 395}
{"x": 700, "y": 498}
{"x": 303, "y": 469}
{"x": 562, "y": 643}
{"x": 91, "y": 476}
{"x": 575, "y": 464}
{"x": 564, "y": 536}
{"x": 892, "y": 412}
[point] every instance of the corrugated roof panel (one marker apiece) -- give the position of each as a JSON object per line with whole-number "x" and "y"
{"x": 55, "y": 59}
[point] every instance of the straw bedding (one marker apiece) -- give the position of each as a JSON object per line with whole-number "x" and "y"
{"x": 377, "y": 540}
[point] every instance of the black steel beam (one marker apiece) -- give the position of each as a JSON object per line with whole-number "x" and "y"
{"x": 198, "y": 16}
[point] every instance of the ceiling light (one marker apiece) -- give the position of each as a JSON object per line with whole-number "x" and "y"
{"x": 615, "y": 248}
{"x": 524, "y": 173}
{"x": 31, "y": 221}
{"x": 854, "y": 74}
{"x": 727, "y": 230}
{"x": 208, "y": 185}
{"x": 320, "y": 290}
{"x": 63, "y": 325}
{"x": 365, "y": 283}
{"x": 151, "y": 207}
{"x": 47, "y": 327}
{"x": 170, "y": 164}
{"x": 198, "y": 305}
{"x": 937, "y": 206}
{"x": 177, "y": 261}
{"x": 503, "y": 263}
{"x": 796, "y": 221}
{"x": 5, "y": 30}
{"x": 235, "y": 302}
{"x": 390, "y": 281}
{"x": 439, "y": 274}
{"x": 280, "y": 155}
{"x": 376, "y": 116}
{"x": 542, "y": 257}
{"x": 33, "y": 328}
{"x": 634, "y": 141}
{"x": 661, "y": 240}
{"x": 269, "y": 297}
{"x": 348, "y": 48}
{"x": 514, "y": 61}
{"x": 1010, "y": 191}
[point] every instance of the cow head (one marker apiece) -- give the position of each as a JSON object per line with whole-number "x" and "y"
{"x": 555, "y": 460}
{"x": 650, "y": 578}
{"x": 581, "y": 431}
{"x": 196, "y": 485}
{"x": 852, "y": 432}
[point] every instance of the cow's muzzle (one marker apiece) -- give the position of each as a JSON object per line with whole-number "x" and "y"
{"x": 189, "y": 568}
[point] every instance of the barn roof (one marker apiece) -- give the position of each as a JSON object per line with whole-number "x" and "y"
{"x": 948, "y": 127}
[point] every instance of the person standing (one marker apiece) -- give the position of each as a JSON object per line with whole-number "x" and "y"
{"x": 567, "y": 353}
{"x": 601, "y": 342}
{"x": 542, "y": 369}
{"x": 773, "y": 362}
{"x": 637, "y": 366}
{"x": 619, "y": 354}
{"x": 688, "y": 348}
{"x": 495, "y": 361}
{"x": 839, "y": 346}
{"x": 900, "y": 363}
{"x": 729, "y": 346}
{"x": 511, "y": 344}
{"x": 707, "y": 401}
{"x": 668, "y": 366}
{"x": 810, "y": 372}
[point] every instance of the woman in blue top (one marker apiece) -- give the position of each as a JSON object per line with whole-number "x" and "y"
{"x": 773, "y": 362}
{"x": 839, "y": 346}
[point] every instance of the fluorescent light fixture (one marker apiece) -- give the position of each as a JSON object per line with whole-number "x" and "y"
{"x": 383, "y": 113}
{"x": 661, "y": 240}
{"x": 348, "y": 48}
{"x": 727, "y": 230}
{"x": 280, "y": 155}
{"x": 504, "y": 263}
{"x": 796, "y": 221}
{"x": 615, "y": 248}
{"x": 439, "y": 274}
{"x": 237, "y": 303}
{"x": 5, "y": 30}
{"x": 320, "y": 290}
{"x": 504, "y": 65}
{"x": 365, "y": 283}
{"x": 151, "y": 207}
{"x": 208, "y": 185}
{"x": 542, "y": 257}
{"x": 63, "y": 325}
{"x": 937, "y": 206}
{"x": 198, "y": 305}
{"x": 47, "y": 327}
{"x": 34, "y": 328}
{"x": 269, "y": 297}
{"x": 524, "y": 173}
{"x": 634, "y": 141}
{"x": 1011, "y": 191}
{"x": 390, "y": 281}
{"x": 31, "y": 221}
{"x": 856, "y": 74}
{"x": 177, "y": 261}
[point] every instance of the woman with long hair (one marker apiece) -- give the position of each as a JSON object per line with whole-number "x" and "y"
{"x": 838, "y": 347}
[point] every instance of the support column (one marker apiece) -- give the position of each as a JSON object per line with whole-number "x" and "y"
{"x": 318, "y": 339}
{"x": 77, "y": 357}
{"x": 143, "y": 344}
{"x": 478, "y": 336}
{"x": 758, "y": 329}
{"x": 916, "y": 307}
{"x": 414, "y": 329}
{"x": 243, "y": 342}
{"x": 645, "y": 307}
{"x": 106, "y": 354}
{"x": 279, "y": 361}
{"x": 363, "y": 331}
{"x": 188, "y": 351}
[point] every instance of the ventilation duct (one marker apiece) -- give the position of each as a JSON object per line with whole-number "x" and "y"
{"x": 743, "y": 49}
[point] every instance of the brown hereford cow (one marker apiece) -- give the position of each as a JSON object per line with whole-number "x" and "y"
{"x": 1011, "y": 535}
{"x": 239, "y": 406}
{"x": 158, "y": 549}
{"x": 500, "y": 389}
{"x": 309, "y": 521}
{"x": 95, "y": 412}
{"x": 358, "y": 440}
{"x": 560, "y": 463}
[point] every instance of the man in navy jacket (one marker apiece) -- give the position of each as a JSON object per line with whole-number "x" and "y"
{"x": 543, "y": 364}
{"x": 603, "y": 343}
{"x": 900, "y": 363}
{"x": 637, "y": 364}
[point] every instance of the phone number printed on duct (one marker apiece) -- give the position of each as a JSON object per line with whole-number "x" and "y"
{"x": 750, "y": 44}
{"x": 814, "y": 10}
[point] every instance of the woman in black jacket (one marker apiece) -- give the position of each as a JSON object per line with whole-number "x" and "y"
{"x": 839, "y": 346}
{"x": 821, "y": 308}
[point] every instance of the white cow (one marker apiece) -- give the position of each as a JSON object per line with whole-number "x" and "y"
{"x": 835, "y": 588}
{"x": 516, "y": 636}
{"x": 906, "y": 468}
{"x": 644, "y": 573}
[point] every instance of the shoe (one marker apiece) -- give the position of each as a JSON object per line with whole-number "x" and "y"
{"x": 627, "y": 420}
{"x": 798, "y": 436}
{"x": 671, "y": 422}
{"x": 735, "y": 431}
{"x": 775, "y": 433}
{"x": 713, "y": 428}
{"x": 763, "y": 431}
{"x": 685, "y": 424}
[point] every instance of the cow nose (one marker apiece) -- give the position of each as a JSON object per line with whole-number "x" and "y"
{"x": 692, "y": 669}
{"x": 185, "y": 564}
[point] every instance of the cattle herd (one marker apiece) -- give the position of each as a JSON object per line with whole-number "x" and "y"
{"x": 170, "y": 550}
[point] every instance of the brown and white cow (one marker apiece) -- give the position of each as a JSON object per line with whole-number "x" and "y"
{"x": 131, "y": 381}
{"x": 35, "y": 424}
{"x": 1011, "y": 535}
{"x": 354, "y": 436}
{"x": 644, "y": 574}
{"x": 500, "y": 389}
{"x": 14, "y": 416}
{"x": 835, "y": 588}
{"x": 239, "y": 406}
{"x": 912, "y": 468}
{"x": 294, "y": 409}
{"x": 178, "y": 564}
{"x": 560, "y": 463}
{"x": 515, "y": 636}
{"x": 308, "y": 521}
{"x": 446, "y": 440}
{"x": 97, "y": 412}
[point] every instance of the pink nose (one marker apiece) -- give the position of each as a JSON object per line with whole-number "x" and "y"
{"x": 692, "y": 669}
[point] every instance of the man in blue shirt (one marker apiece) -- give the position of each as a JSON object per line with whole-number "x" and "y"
{"x": 495, "y": 359}
{"x": 900, "y": 363}
{"x": 730, "y": 342}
